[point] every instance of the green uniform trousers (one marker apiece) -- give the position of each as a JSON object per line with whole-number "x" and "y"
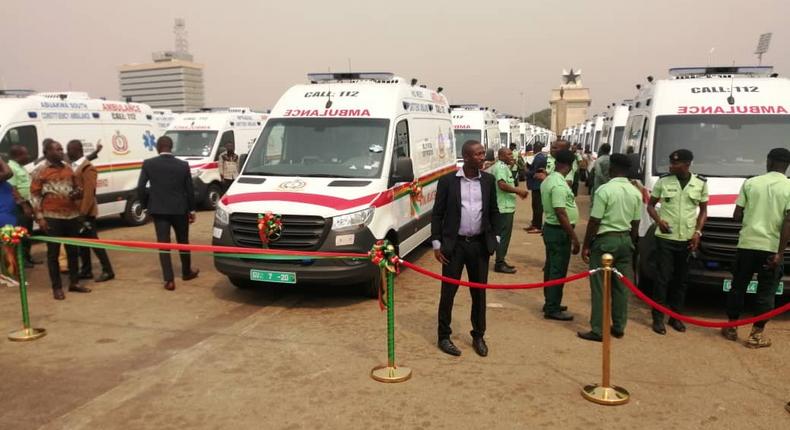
{"x": 622, "y": 249}
{"x": 503, "y": 225}
{"x": 669, "y": 288}
{"x": 558, "y": 254}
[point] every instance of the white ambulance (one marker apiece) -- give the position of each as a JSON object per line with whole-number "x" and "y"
{"x": 163, "y": 118}
{"x": 508, "y": 131}
{"x": 472, "y": 122}
{"x": 729, "y": 117}
{"x": 126, "y": 131}
{"x": 199, "y": 138}
{"x": 614, "y": 126}
{"x": 337, "y": 160}
{"x": 595, "y": 133}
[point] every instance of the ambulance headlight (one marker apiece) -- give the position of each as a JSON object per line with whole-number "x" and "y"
{"x": 221, "y": 215}
{"x": 353, "y": 220}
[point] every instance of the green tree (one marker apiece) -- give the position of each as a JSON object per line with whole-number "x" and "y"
{"x": 542, "y": 118}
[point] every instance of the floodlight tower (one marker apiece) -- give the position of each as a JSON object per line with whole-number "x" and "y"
{"x": 762, "y": 46}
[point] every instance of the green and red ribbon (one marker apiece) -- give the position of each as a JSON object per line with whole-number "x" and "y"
{"x": 415, "y": 195}
{"x": 11, "y": 235}
{"x": 384, "y": 255}
{"x": 270, "y": 227}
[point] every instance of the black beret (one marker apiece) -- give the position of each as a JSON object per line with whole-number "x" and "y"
{"x": 781, "y": 155}
{"x": 681, "y": 155}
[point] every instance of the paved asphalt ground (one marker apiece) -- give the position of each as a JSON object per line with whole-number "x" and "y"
{"x": 131, "y": 355}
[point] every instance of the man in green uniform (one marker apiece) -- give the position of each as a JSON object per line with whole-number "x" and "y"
{"x": 557, "y": 146}
{"x": 506, "y": 193}
{"x": 613, "y": 228}
{"x": 559, "y": 237}
{"x": 679, "y": 220}
{"x": 764, "y": 208}
{"x": 600, "y": 170}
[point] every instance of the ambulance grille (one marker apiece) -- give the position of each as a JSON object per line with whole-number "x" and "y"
{"x": 300, "y": 232}
{"x": 720, "y": 240}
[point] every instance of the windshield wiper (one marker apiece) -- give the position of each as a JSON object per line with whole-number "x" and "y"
{"x": 262, "y": 174}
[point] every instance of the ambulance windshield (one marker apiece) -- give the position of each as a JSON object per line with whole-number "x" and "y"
{"x": 461, "y": 136}
{"x": 192, "y": 143}
{"x": 320, "y": 147}
{"x": 723, "y": 145}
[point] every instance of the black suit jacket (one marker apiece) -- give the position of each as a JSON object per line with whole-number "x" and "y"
{"x": 171, "y": 191}
{"x": 446, "y": 218}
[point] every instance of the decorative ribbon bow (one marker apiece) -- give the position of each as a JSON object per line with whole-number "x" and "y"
{"x": 270, "y": 227}
{"x": 384, "y": 256}
{"x": 11, "y": 235}
{"x": 415, "y": 195}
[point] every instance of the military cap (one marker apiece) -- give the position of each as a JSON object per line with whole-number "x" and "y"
{"x": 681, "y": 155}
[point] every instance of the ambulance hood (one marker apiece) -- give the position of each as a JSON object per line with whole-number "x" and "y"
{"x": 325, "y": 197}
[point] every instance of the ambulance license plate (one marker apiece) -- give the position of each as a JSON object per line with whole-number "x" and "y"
{"x": 752, "y": 288}
{"x": 270, "y": 276}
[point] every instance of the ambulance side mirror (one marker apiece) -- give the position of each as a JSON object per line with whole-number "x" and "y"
{"x": 403, "y": 172}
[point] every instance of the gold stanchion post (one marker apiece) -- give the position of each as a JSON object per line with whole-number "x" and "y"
{"x": 605, "y": 393}
{"x": 26, "y": 333}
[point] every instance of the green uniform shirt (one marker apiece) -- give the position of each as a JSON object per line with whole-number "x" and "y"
{"x": 20, "y": 180}
{"x": 600, "y": 172}
{"x": 765, "y": 200}
{"x": 505, "y": 201}
{"x": 679, "y": 206}
{"x": 616, "y": 204}
{"x": 555, "y": 193}
{"x": 550, "y": 168}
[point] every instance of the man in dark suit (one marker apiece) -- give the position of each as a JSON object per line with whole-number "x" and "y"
{"x": 462, "y": 232}
{"x": 171, "y": 202}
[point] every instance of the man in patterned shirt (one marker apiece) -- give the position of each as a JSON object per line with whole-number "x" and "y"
{"x": 54, "y": 193}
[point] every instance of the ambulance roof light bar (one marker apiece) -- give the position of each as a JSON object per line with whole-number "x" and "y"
{"x": 470, "y": 106}
{"x": 350, "y": 76}
{"x": 697, "y": 72}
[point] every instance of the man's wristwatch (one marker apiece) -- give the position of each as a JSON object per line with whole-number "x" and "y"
{"x": 698, "y": 232}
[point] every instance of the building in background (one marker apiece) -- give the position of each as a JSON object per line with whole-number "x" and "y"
{"x": 172, "y": 81}
{"x": 569, "y": 102}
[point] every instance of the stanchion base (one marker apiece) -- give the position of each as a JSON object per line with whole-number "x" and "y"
{"x": 27, "y": 334}
{"x": 390, "y": 374}
{"x": 610, "y": 396}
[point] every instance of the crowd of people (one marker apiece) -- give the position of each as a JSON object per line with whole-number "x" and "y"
{"x": 60, "y": 195}
{"x": 473, "y": 220}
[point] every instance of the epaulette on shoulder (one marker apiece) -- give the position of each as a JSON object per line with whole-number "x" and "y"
{"x": 702, "y": 178}
{"x": 665, "y": 175}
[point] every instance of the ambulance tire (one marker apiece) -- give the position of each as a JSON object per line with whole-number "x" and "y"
{"x": 213, "y": 194}
{"x": 241, "y": 283}
{"x": 134, "y": 214}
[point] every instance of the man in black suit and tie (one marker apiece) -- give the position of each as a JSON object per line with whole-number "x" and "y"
{"x": 462, "y": 232}
{"x": 171, "y": 202}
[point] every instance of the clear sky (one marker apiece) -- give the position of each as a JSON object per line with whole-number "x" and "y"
{"x": 486, "y": 52}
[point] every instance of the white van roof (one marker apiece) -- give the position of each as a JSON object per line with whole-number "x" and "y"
{"x": 216, "y": 120}
{"x": 358, "y": 95}
{"x": 68, "y": 106}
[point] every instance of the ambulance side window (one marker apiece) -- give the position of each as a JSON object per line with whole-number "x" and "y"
{"x": 226, "y": 137}
{"x": 25, "y": 135}
{"x": 401, "y": 140}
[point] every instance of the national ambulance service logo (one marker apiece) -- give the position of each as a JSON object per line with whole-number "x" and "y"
{"x": 120, "y": 146}
{"x": 296, "y": 184}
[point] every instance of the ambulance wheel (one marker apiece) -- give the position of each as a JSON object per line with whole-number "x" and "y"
{"x": 241, "y": 283}
{"x": 134, "y": 214}
{"x": 213, "y": 194}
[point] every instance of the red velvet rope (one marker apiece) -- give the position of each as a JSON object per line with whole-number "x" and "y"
{"x": 695, "y": 321}
{"x": 439, "y": 277}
